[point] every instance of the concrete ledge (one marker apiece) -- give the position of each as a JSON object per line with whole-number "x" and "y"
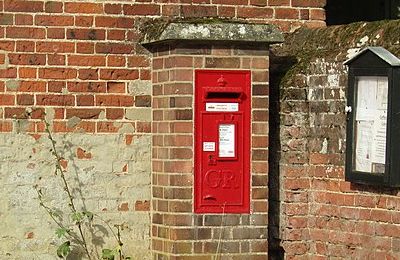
{"x": 222, "y": 31}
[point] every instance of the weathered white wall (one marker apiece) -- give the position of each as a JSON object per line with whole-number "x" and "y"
{"x": 111, "y": 173}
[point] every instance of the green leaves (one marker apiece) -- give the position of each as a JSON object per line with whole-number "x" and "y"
{"x": 108, "y": 254}
{"x": 61, "y": 232}
{"x": 77, "y": 217}
{"x": 64, "y": 249}
{"x": 88, "y": 214}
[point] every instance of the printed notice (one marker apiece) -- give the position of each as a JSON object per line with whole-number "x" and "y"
{"x": 366, "y": 98}
{"x": 226, "y": 140}
{"x": 379, "y": 138}
{"x": 222, "y": 107}
{"x": 363, "y": 146}
{"x": 208, "y": 146}
{"x": 370, "y": 124}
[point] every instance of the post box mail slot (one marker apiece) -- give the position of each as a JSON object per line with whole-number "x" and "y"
{"x": 222, "y": 146}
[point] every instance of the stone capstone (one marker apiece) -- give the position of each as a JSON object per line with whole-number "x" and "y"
{"x": 222, "y": 31}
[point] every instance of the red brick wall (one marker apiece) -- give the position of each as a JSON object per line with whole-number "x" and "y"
{"x": 315, "y": 213}
{"x": 79, "y": 57}
{"x": 176, "y": 229}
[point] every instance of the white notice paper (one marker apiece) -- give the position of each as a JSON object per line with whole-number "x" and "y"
{"x": 363, "y": 146}
{"x": 226, "y": 140}
{"x": 208, "y": 146}
{"x": 222, "y": 107}
{"x": 366, "y": 98}
{"x": 379, "y": 138}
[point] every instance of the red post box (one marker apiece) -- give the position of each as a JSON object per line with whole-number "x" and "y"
{"x": 222, "y": 141}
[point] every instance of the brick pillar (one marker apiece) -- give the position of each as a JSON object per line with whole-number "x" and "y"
{"x": 177, "y": 232}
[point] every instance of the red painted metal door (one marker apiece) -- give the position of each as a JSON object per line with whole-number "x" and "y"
{"x": 222, "y": 146}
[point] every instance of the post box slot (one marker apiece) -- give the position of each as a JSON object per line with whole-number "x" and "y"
{"x": 223, "y": 93}
{"x": 220, "y": 95}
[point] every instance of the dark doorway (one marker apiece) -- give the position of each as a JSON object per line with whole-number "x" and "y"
{"x": 349, "y": 11}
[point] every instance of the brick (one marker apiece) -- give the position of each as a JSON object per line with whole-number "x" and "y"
{"x": 114, "y": 48}
{"x": 86, "y": 34}
{"x": 116, "y": 87}
{"x": 258, "y": 2}
{"x": 308, "y": 3}
{"x": 170, "y": 10}
{"x": 116, "y": 61}
{"x": 54, "y": 20}
{"x": 96, "y": 87}
{"x": 198, "y": 11}
{"x": 142, "y": 205}
{"x": 82, "y": 60}
{"x": 55, "y": 100}
{"x": 8, "y": 73}
{"x": 25, "y": 46}
{"x": 55, "y": 59}
{"x": 55, "y": 47}
{"x": 115, "y": 113}
{"x": 107, "y": 127}
{"x": 7, "y": 100}
{"x": 5, "y": 126}
{"x": 27, "y": 73}
{"x": 56, "y": 86}
{"x": 304, "y": 14}
{"x": 57, "y": 73}
{"x": 114, "y": 22}
{"x": 85, "y": 100}
{"x": 85, "y": 8}
{"x": 249, "y": 12}
{"x": 27, "y": 59}
{"x": 88, "y": 74}
{"x": 116, "y": 35}
{"x": 222, "y": 63}
{"x": 22, "y": 113}
{"x": 23, "y": 6}
{"x": 226, "y": 11}
{"x": 317, "y": 14}
{"x": 7, "y": 45}
{"x": 25, "y": 33}
{"x": 84, "y": 47}
{"x": 138, "y": 61}
{"x": 55, "y": 33}
{"x": 113, "y": 8}
{"x": 145, "y": 74}
{"x": 143, "y": 101}
{"x": 25, "y": 99}
{"x": 83, "y": 154}
{"x": 141, "y": 9}
{"x": 84, "y": 21}
{"x": 6, "y": 19}
{"x": 119, "y": 74}
{"x": 279, "y": 2}
{"x": 83, "y": 113}
{"x": 230, "y": 2}
{"x": 23, "y": 19}
{"x": 114, "y": 100}
{"x": 53, "y": 7}
{"x": 286, "y": 13}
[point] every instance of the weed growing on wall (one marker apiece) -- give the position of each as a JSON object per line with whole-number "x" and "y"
{"x": 77, "y": 230}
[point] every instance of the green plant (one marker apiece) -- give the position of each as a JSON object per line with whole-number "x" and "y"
{"x": 74, "y": 231}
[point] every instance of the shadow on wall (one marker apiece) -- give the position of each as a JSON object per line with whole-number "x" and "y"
{"x": 349, "y": 11}
{"x": 279, "y": 65}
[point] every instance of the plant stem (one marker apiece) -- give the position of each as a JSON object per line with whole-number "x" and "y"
{"x": 67, "y": 189}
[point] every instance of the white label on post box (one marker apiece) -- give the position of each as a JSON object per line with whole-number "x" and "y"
{"x": 222, "y": 107}
{"x": 226, "y": 140}
{"x": 208, "y": 146}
